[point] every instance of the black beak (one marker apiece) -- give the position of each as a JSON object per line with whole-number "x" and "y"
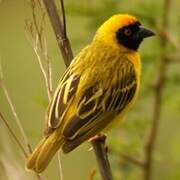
{"x": 144, "y": 33}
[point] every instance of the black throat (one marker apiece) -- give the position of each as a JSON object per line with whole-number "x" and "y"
{"x": 131, "y": 40}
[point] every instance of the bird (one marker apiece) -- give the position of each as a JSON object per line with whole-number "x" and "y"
{"x": 96, "y": 91}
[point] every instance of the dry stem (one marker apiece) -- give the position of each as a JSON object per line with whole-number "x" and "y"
{"x": 60, "y": 166}
{"x": 58, "y": 28}
{"x": 133, "y": 160}
{"x": 14, "y": 135}
{"x": 40, "y": 48}
{"x": 9, "y": 100}
{"x": 17, "y": 120}
{"x": 35, "y": 31}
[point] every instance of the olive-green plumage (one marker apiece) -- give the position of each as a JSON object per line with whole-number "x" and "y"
{"x": 96, "y": 91}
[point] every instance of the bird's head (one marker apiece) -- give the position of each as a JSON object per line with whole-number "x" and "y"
{"x": 123, "y": 30}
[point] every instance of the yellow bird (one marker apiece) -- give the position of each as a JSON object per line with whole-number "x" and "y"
{"x": 96, "y": 91}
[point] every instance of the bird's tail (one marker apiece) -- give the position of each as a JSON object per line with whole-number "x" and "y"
{"x": 44, "y": 152}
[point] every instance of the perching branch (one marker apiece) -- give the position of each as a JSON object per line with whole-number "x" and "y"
{"x": 100, "y": 150}
{"x": 66, "y": 51}
{"x": 158, "y": 90}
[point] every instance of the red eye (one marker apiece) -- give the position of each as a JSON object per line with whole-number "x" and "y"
{"x": 127, "y": 32}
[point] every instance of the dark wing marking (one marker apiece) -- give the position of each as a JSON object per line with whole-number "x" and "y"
{"x": 122, "y": 93}
{"x": 71, "y": 128}
{"x": 96, "y": 101}
{"x": 62, "y": 97}
{"x": 92, "y": 130}
{"x": 87, "y": 111}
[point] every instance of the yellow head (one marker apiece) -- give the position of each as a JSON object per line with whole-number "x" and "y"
{"x": 122, "y": 30}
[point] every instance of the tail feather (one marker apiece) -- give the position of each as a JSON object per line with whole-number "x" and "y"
{"x": 43, "y": 154}
{"x": 32, "y": 158}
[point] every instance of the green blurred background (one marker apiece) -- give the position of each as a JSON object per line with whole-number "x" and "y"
{"x": 26, "y": 87}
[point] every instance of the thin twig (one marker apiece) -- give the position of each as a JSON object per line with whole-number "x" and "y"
{"x": 40, "y": 46}
{"x": 47, "y": 84}
{"x": 128, "y": 158}
{"x": 133, "y": 160}
{"x": 18, "y": 122}
{"x": 60, "y": 166}
{"x": 14, "y": 135}
{"x": 49, "y": 69}
{"x": 150, "y": 144}
{"x": 43, "y": 48}
{"x": 35, "y": 23}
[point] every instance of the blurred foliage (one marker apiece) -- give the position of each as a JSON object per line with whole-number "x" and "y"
{"x": 26, "y": 87}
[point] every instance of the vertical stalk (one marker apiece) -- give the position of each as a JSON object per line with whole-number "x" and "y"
{"x": 158, "y": 90}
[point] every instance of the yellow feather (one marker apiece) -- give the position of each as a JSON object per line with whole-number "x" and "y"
{"x": 107, "y": 86}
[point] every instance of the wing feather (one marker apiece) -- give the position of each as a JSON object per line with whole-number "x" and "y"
{"x": 62, "y": 98}
{"x": 96, "y": 101}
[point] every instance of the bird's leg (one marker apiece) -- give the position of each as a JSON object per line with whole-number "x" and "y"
{"x": 100, "y": 137}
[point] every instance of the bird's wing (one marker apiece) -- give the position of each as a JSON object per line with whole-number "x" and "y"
{"x": 62, "y": 98}
{"x": 97, "y": 103}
